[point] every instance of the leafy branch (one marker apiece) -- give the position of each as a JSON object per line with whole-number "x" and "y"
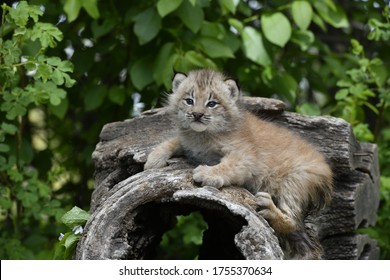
{"x": 26, "y": 83}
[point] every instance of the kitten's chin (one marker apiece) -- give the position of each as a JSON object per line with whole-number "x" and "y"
{"x": 198, "y": 127}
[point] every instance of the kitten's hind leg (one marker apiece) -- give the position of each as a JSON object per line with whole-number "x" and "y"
{"x": 302, "y": 243}
{"x": 279, "y": 221}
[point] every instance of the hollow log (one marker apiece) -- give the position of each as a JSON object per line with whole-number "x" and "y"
{"x": 131, "y": 208}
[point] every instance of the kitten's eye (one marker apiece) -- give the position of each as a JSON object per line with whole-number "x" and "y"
{"x": 211, "y": 104}
{"x": 189, "y": 101}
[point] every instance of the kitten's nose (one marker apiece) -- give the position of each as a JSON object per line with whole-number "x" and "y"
{"x": 197, "y": 116}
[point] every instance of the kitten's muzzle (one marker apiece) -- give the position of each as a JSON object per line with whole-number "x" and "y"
{"x": 197, "y": 116}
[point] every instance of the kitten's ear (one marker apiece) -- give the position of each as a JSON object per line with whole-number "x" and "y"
{"x": 233, "y": 88}
{"x": 177, "y": 80}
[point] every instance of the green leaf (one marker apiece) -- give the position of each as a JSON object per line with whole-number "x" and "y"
{"x": 215, "y": 48}
{"x": 230, "y": 5}
{"x": 4, "y": 148}
{"x": 276, "y": 28}
{"x": 199, "y": 60}
{"x": 117, "y": 95}
{"x": 16, "y": 110}
{"x": 357, "y": 75}
{"x": 106, "y": 27}
{"x": 56, "y": 96}
{"x": 20, "y": 32}
{"x": 94, "y": 97}
{"x": 238, "y": 25}
{"x": 363, "y": 132}
{"x": 282, "y": 83}
{"x": 53, "y": 61}
{"x": 47, "y": 34}
{"x": 357, "y": 48}
{"x": 213, "y": 29}
{"x": 91, "y": 7}
{"x": 65, "y": 249}
{"x": 303, "y": 38}
{"x": 141, "y": 72}
{"x": 253, "y": 46}
{"x": 59, "y": 110}
{"x": 191, "y": 16}
{"x": 23, "y": 11}
{"x": 69, "y": 82}
{"x": 286, "y": 86}
{"x": 217, "y": 31}
{"x": 332, "y": 14}
{"x": 10, "y": 53}
{"x": 165, "y": 7}
{"x": 71, "y": 241}
{"x": 65, "y": 66}
{"x": 379, "y": 73}
{"x": 34, "y": 12}
{"x": 319, "y": 22}
{"x": 59, "y": 252}
{"x": 344, "y": 83}
{"x": 5, "y": 202}
{"x": 72, "y": 9}
{"x": 302, "y": 13}
{"x": 341, "y": 94}
{"x": 55, "y": 69}
{"x": 182, "y": 64}
{"x": 57, "y": 77}
{"x": 3, "y": 167}
{"x": 372, "y": 107}
{"x": 44, "y": 92}
{"x": 75, "y": 217}
{"x": 15, "y": 175}
{"x": 357, "y": 89}
{"x": 43, "y": 72}
{"x": 163, "y": 66}
{"x": 15, "y": 104}
{"x": 9, "y": 128}
{"x": 170, "y": 66}
{"x": 309, "y": 109}
{"x": 147, "y": 25}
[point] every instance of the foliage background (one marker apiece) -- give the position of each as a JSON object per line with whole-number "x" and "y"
{"x": 321, "y": 57}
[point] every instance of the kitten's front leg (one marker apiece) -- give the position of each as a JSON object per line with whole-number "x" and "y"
{"x": 206, "y": 176}
{"x": 164, "y": 151}
{"x": 232, "y": 170}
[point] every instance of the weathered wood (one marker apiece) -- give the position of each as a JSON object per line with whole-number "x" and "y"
{"x": 132, "y": 208}
{"x": 148, "y": 203}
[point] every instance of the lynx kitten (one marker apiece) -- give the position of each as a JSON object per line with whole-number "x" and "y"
{"x": 287, "y": 175}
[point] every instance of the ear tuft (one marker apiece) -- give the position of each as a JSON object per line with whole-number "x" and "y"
{"x": 233, "y": 88}
{"x": 177, "y": 80}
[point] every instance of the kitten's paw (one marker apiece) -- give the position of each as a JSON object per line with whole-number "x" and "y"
{"x": 155, "y": 161}
{"x": 203, "y": 174}
{"x": 279, "y": 221}
{"x": 267, "y": 206}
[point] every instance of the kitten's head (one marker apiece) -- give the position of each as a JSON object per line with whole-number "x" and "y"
{"x": 204, "y": 100}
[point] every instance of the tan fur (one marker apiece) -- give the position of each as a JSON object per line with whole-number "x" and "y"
{"x": 285, "y": 173}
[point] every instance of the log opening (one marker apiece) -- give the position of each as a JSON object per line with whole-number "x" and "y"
{"x": 155, "y": 219}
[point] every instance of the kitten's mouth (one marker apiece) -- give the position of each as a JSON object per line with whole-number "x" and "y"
{"x": 198, "y": 126}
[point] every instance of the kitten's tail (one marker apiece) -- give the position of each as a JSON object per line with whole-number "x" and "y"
{"x": 322, "y": 190}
